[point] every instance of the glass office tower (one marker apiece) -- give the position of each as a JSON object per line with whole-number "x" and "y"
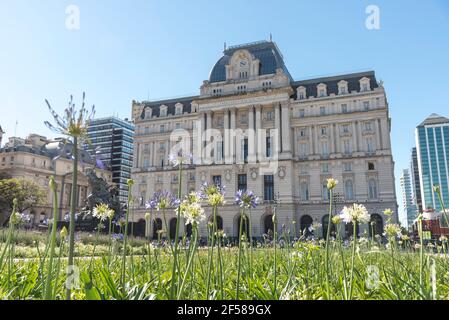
{"x": 112, "y": 145}
{"x": 432, "y": 143}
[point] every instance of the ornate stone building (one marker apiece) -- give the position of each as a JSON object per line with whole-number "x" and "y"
{"x": 37, "y": 158}
{"x": 278, "y": 137}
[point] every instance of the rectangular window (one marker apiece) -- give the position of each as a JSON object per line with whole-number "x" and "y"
{"x": 216, "y": 180}
{"x": 245, "y": 150}
{"x": 303, "y": 150}
{"x": 344, "y": 108}
{"x": 268, "y": 147}
{"x": 270, "y": 115}
{"x": 302, "y": 113}
{"x": 322, "y": 111}
{"x": 366, "y": 105}
{"x": 347, "y": 147}
{"x": 268, "y": 181}
{"x": 325, "y": 168}
{"x": 162, "y": 128}
{"x": 348, "y": 167}
{"x": 242, "y": 182}
{"x": 219, "y": 152}
{"x": 324, "y": 148}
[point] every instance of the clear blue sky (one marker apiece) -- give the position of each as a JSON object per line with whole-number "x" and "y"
{"x": 129, "y": 50}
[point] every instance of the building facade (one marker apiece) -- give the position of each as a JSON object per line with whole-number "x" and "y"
{"x": 408, "y": 205}
{"x": 253, "y": 127}
{"x": 432, "y": 143}
{"x": 111, "y": 144}
{"x": 37, "y": 158}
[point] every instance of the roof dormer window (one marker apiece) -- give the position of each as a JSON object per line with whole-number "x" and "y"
{"x": 343, "y": 87}
{"x": 301, "y": 91}
{"x": 322, "y": 90}
{"x": 364, "y": 84}
{"x": 178, "y": 110}
{"x": 148, "y": 113}
{"x": 163, "y": 111}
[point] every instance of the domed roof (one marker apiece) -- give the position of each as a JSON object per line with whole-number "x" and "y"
{"x": 266, "y": 52}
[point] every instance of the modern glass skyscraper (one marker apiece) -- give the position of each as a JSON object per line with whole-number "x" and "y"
{"x": 416, "y": 187}
{"x": 407, "y": 199}
{"x": 112, "y": 145}
{"x": 432, "y": 143}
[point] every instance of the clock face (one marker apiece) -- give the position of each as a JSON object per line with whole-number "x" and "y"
{"x": 243, "y": 63}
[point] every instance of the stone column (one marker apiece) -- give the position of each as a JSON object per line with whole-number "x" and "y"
{"x": 331, "y": 134}
{"x": 311, "y": 141}
{"x": 260, "y": 151}
{"x": 232, "y": 135}
{"x": 251, "y": 136}
{"x": 377, "y": 127}
{"x": 385, "y": 132}
{"x": 277, "y": 125}
{"x": 355, "y": 137}
{"x": 227, "y": 158}
{"x": 208, "y": 136}
{"x": 286, "y": 141}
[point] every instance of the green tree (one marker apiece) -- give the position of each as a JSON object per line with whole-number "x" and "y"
{"x": 27, "y": 193}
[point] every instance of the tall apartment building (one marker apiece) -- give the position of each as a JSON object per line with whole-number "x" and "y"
{"x": 416, "y": 188}
{"x": 253, "y": 127}
{"x": 409, "y": 207}
{"x": 111, "y": 143}
{"x": 37, "y": 158}
{"x": 432, "y": 143}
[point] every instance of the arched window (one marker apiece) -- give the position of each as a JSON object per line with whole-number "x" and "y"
{"x": 173, "y": 229}
{"x": 188, "y": 230}
{"x": 305, "y": 223}
{"x": 157, "y": 226}
{"x": 139, "y": 228}
{"x": 304, "y": 191}
{"x": 349, "y": 228}
{"x": 372, "y": 189}
{"x": 349, "y": 190}
{"x": 148, "y": 113}
{"x": 324, "y": 223}
{"x": 376, "y": 225}
{"x": 219, "y": 222}
{"x": 268, "y": 225}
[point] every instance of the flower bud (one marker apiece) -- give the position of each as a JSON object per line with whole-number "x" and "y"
{"x": 331, "y": 183}
{"x": 63, "y": 233}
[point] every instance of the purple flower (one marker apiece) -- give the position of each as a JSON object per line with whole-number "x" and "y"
{"x": 117, "y": 236}
{"x": 246, "y": 199}
{"x": 163, "y": 200}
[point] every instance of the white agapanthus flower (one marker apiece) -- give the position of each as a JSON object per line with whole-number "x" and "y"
{"x": 355, "y": 213}
{"x": 193, "y": 213}
{"x": 103, "y": 212}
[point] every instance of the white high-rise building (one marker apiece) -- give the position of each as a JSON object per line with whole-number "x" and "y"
{"x": 409, "y": 208}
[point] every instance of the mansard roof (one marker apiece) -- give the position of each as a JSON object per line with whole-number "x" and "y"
{"x": 266, "y": 51}
{"x": 171, "y": 105}
{"x": 434, "y": 119}
{"x": 59, "y": 148}
{"x": 353, "y": 80}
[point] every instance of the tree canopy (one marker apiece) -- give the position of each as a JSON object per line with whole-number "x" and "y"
{"x": 27, "y": 192}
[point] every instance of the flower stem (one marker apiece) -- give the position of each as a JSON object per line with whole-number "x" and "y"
{"x": 72, "y": 213}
